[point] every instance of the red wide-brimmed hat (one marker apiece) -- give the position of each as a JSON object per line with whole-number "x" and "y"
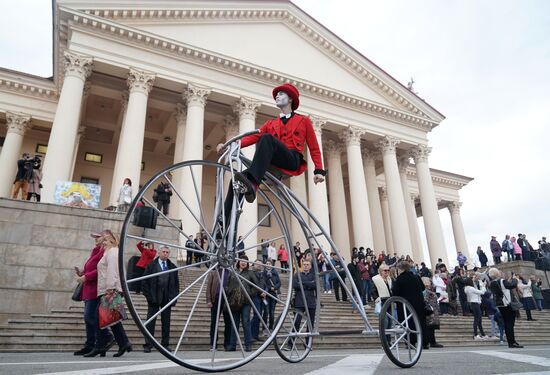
{"x": 290, "y": 91}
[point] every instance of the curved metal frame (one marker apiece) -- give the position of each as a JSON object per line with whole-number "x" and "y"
{"x": 290, "y": 208}
{"x": 129, "y": 301}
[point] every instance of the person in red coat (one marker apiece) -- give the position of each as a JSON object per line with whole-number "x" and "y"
{"x": 88, "y": 278}
{"x": 280, "y": 143}
{"x": 148, "y": 253}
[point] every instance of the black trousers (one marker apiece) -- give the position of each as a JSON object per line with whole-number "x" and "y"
{"x": 430, "y": 335}
{"x": 476, "y": 310}
{"x": 336, "y": 285}
{"x": 509, "y": 317}
{"x": 496, "y": 259}
{"x": 163, "y": 206}
{"x": 271, "y": 151}
{"x": 164, "y": 317}
{"x": 226, "y": 321}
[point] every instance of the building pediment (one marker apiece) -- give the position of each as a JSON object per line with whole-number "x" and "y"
{"x": 275, "y": 35}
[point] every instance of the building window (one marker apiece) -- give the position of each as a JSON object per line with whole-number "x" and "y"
{"x": 94, "y": 158}
{"x": 41, "y": 149}
{"x": 89, "y": 180}
{"x": 263, "y": 209}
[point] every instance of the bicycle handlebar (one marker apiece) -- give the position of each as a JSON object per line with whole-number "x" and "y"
{"x": 240, "y": 136}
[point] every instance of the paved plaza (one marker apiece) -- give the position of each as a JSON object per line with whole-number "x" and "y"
{"x": 494, "y": 360}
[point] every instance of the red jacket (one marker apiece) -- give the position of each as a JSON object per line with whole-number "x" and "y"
{"x": 89, "y": 287}
{"x": 295, "y": 134}
{"x": 147, "y": 255}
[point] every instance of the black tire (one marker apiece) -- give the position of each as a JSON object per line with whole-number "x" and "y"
{"x": 394, "y": 327}
{"x": 181, "y": 357}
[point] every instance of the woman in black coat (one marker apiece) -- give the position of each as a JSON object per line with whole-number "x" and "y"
{"x": 410, "y": 287}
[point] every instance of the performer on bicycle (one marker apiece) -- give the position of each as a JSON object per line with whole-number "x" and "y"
{"x": 280, "y": 143}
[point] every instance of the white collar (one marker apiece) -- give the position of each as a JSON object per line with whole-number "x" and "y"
{"x": 282, "y": 115}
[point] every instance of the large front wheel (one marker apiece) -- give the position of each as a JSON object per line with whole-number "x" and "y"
{"x": 207, "y": 332}
{"x": 400, "y": 332}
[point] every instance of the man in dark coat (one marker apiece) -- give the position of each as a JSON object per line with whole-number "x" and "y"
{"x": 163, "y": 193}
{"x": 410, "y": 287}
{"x": 496, "y": 249}
{"x": 159, "y": 290}
{"x": 307, "y": 281}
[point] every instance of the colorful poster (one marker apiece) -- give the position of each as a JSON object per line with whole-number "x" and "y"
{"x": 75, "y": 194}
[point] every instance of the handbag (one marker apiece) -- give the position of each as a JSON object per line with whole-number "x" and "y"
{"x": 111, "y": 309}
{"x": 428, "y": 309}
{"x": 514, "y": 305}
{"x": 77, "y": 294}
{"x": 377, "y": 307}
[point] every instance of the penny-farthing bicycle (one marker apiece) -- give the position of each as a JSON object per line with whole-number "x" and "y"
{"x": 294, "y": 329}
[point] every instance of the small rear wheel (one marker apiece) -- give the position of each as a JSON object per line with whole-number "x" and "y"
{"x": 400, "y": 332}
{"x": 293, "y": 342}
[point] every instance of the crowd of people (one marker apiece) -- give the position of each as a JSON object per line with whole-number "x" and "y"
{"x": 475, "y": 293}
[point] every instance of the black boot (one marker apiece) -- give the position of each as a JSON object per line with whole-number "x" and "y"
{"x": 124, "y": 349}
{"x": 95, "y": 352}
{"x": 83, "y": 351}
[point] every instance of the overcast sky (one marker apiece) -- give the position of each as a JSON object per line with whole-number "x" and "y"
{"x": 484, "y": 64}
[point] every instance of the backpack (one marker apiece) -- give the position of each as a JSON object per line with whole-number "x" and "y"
{"x": 236, "y": 298}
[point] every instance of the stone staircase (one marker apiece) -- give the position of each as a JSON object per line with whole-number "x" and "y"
{"x": 63, "y": 329}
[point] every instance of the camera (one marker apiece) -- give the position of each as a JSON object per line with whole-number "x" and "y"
{"x": 37, "y": 162}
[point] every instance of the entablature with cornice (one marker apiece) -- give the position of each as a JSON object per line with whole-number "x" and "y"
{"x": 125, "y": 34}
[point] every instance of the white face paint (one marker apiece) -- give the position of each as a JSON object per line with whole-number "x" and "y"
{"x": 282, "y": 99}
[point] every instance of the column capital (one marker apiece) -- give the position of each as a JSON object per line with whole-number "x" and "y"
{"x": 352, "y": 136}
{"x": 76, "y": 65}
{"x": 231, "y": 126}
{"x": 332, "y": 148}
{"x": 388, "y": 145}
{"x": 414, "y": 196}
{"x": 246, "y": 108}
{"x": 403, "y": 163}
{"x": 370, "y": 156}
{"x": 196, "y": 95}
{"x": 141, "y": 81}
{"x": 420, "y": 153}
{"x": 383, "y": 193}
{"x": 180, "y": 113}
{"x": 454, "y": 207}
{"x": 18, "y": 123}
{"x": 318, "y": 123}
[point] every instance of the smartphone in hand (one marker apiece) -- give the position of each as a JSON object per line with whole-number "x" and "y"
{"x": 77, "y": 270}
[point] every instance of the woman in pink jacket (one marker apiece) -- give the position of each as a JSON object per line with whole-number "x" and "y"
{"x": 88, "y": 278}
{"x": 282, "y": 254}
{"x": 517, "y": 248}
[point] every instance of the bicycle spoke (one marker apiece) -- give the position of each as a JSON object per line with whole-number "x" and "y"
{"x": 230, "y": 313}
{"x": 157, "y": 274}
{"x": 218, "y": 310}
{"x": 252, "y": 262}
{"x": 239, "y": 277}
{"x": 257, "y": 287}
{"x": 261, "y": 243}
{"x": 197, "y": 194}
{"x": 253, "y": 228}
{"x": 190, "y": 210}
{"x": 170, "y": 244}
{"x": 165, "y": 217}
{"x": 179, "y": 295}
{"x": 190, "y": 316}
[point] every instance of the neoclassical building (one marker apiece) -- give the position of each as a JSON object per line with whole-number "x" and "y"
{"x": 139, "y": 85}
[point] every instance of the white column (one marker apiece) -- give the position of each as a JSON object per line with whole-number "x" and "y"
{"x": 337, "y": 198}
{"x": 18, "y": 124}
{"x": 130, "y": 144}
{"x": 377, "y": 223}
{"x": 430, "y": 211}
{"x": 416, "y": 253}
{"x": 180, "y": 115}
{"x": 317, "y": 193}
{"x": 81, "y": 127}
{"x": 416, "y": 239}
{"x": 360, "y": 212}
{"x": 246, "y": 110}
{"x": 458, "y": 229}
{"x": 113, "y": 195}
{"x": 58, "y": 161}
{"x": 398, "y": 212}
{"x": 390, "y": 249}
{"x": 193, "y": 144}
